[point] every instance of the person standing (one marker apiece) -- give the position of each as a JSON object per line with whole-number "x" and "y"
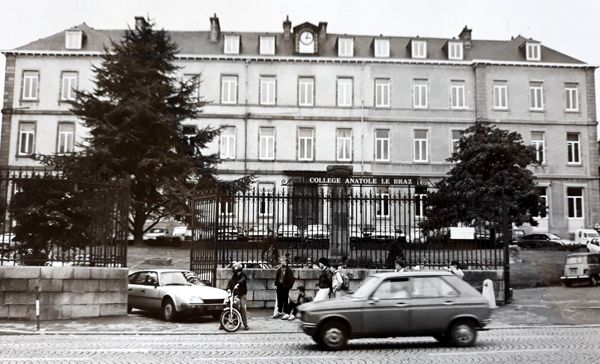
{"x": 336, "y": 281}
{"x": 325, "y": 280}
{"x": 238, "y": 285}
{"x": 284, "y": 280}
{"x": 454, "y": 268}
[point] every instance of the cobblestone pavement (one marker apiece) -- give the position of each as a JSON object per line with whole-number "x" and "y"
{"x": 525, "y": 345}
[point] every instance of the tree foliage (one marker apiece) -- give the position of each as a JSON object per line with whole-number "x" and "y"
{"x": 490, "y": 180}
{"x": 134, "y": 116}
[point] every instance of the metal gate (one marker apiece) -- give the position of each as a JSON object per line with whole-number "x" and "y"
{"x": 203, "y": 254}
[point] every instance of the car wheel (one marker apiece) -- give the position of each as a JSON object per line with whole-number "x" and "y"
{"x": 593, "y": 281}
{"x": 463, "y": 333}
{"x": 169, "y": 313}
{"x": 334, "y": 335}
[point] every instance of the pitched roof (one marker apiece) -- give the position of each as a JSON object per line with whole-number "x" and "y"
{"x": 198, "y": 43}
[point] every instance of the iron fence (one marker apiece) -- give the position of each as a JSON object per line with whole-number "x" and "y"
{"x": 368, "y": 230}
{"x": 51, "y": 219}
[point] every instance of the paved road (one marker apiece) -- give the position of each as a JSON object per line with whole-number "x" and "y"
{"x": 526, "y": 345}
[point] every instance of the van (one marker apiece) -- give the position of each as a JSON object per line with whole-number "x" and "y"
{"x": 583, "y": 236}
{"x": 581, "y": 267}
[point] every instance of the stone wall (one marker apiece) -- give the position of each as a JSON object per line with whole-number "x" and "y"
{"x": 261, "y": 285}
{"x": 65, "y": 292}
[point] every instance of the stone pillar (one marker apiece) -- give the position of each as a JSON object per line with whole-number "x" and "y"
{"x": 339, "y": 242}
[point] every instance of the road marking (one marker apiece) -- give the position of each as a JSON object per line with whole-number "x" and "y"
{"x": 270, "y": 358}
{"x": 494, "y": 352}
{"x": 30, "y": 359}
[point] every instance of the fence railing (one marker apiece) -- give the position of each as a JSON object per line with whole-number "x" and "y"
{"x": 51, "y": 219}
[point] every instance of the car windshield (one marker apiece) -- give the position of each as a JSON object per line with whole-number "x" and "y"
{"x": 593, "y": 234}
{"x": 157, "y": 230}
{"x": 178, "y": 279}
{"x": 553, "y": 237}
{"x": 575, "y": 260}
{"x": 365, "y": 288}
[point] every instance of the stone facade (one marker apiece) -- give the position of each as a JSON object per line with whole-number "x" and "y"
{"x": 262, "y": 293}
{"x": 65, "y": 292}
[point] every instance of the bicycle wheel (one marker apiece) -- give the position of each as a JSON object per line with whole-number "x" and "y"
{"x": 231, "y": 320}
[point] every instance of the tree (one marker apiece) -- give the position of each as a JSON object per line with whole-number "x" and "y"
{"x": 489, "y": 183}
{"x": 134, "y": 117}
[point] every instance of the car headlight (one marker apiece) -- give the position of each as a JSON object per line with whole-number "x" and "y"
{"x": 195, "y": 299}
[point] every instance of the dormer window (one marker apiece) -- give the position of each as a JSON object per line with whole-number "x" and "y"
{"x": 232, "y": 44}
{"x": 455, "y": 50}
{"x": 382, "y": 48}
{"x": 533, "y": 51}
{"x": 345, "y": 47}
{"x": 73, "y": 39}
{"x": 419, "y": 49}
{"x": 267, "y": 45}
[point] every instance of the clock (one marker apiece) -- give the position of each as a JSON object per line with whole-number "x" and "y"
{"x": 306, "y": 38}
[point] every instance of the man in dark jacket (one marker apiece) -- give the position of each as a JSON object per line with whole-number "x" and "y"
{"x": 237, "y": 284}
{"x": 325, "y": 279}
{"x": 284, "y": 280}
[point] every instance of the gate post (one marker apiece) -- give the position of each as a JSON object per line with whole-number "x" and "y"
{"x": 506, "y": 237}
{"x": 340, "y": 239}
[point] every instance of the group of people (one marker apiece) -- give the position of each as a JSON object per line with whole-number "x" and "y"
{"x": 332, "y": 282}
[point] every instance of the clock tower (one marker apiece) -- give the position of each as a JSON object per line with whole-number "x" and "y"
{"x": 306, "y": 39}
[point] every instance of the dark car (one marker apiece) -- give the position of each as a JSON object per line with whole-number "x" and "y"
{"x": 546, "y": 241}
{"x": 436, "y": 303}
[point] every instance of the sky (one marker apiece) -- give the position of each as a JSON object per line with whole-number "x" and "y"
{"x": 568, "y": 26}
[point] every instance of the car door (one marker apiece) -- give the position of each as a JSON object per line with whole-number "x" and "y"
{"x": 385, "y": 312}
{"x": 136, "y": 290}
{"x": 433, "y": 304}
{"x": 150, "y": 293}
{"x": 133, "y": 290}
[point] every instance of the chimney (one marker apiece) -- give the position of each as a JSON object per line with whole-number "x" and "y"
{"x": 465, "y": 36}
{"x": 322, "y": 30}
{"x": 215, "y": 29}
{"x": 140, "y": 23}
{"x": 287, "y": 28}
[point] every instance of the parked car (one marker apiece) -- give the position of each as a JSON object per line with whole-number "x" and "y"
{"x": 581, "y": 267}
{"x": 545, "y": 240}
{"x": 258, "y": 232}
{"x": 583, "y": 236}
{"x": 288, "y": 231}
{"x": 593, "y": 246}
{"x": 173, "y": 292}
{"x": 155, "y": 233}
{"x": 317, "y": 232}
{"x": 227, "y": 233}
{"x": 422, "y": 303}
{"x": 253, "y": 264}
{"x": 182, "y": 233}
{"x": 384, "y": 233}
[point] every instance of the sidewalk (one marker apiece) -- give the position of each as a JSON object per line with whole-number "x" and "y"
{"x": 531, "y": 307}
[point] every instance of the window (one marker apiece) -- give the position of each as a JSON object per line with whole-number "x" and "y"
{"x": 68, "y": 86}
{"x": 66, "y": 136}
{"x": 573, "y": 148}
{"x": 345, "y": 47}
{"x": 73, "y": 39}
{"x": 456, "y": 135}
{"x": 228, "y": 142}
{"x": 382, "y": 145}
{"x": 543, "y": 193}
{"x": 265, "y": 205}
{"x": 537, "y": 141}
{"x": 266, "y": 143}
{"x": 267, "y": 45}
{"x": 305, "y": 144}
{"x": 420, "y": 205}
{"x": 571, "y": 97}
{"x": 500, "y": 95}
{"x": 420, "y": 94}
{"x": 382, "y": 92}
{"x": 382, "y": 48}
{"x": 536, "y": 96}
{"x": 232, "y": 44}
{"x": 420, "y": 146}
{"x": 419, "y": 49}
{"x": 31, "y": 81}
{"x": 393, "y": 289}
{"x": 267, "y": 90}
{"x": 455, "y": 50}
{"x": 382, "y": 203}
{"x": 344, "y": 91}
{"x": 457, "y": 95}
{"x": 306, "y": 91}
{"x": 533, "y": 52}
{"x": 189, "y": 133}
{"x": 26, "y": 138}
{"x": 431, "y": 287}
{"x": 229, "y": 89}
{"x": 575, "y": 202}
{"x": 344, "y": 144}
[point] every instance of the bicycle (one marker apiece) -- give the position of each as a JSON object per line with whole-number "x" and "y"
{"x": 231, "y": 318}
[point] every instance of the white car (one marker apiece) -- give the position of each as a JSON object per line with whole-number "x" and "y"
{"x": 317, "y": 232}
{"x": 593, "y": 245}
{"x": 173, "y": 292}
{"x": 583, "y": 236}
{"x": 155, "y": 233}
{"x": 182, "y": 232}
{"x": 288, "y": 231}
